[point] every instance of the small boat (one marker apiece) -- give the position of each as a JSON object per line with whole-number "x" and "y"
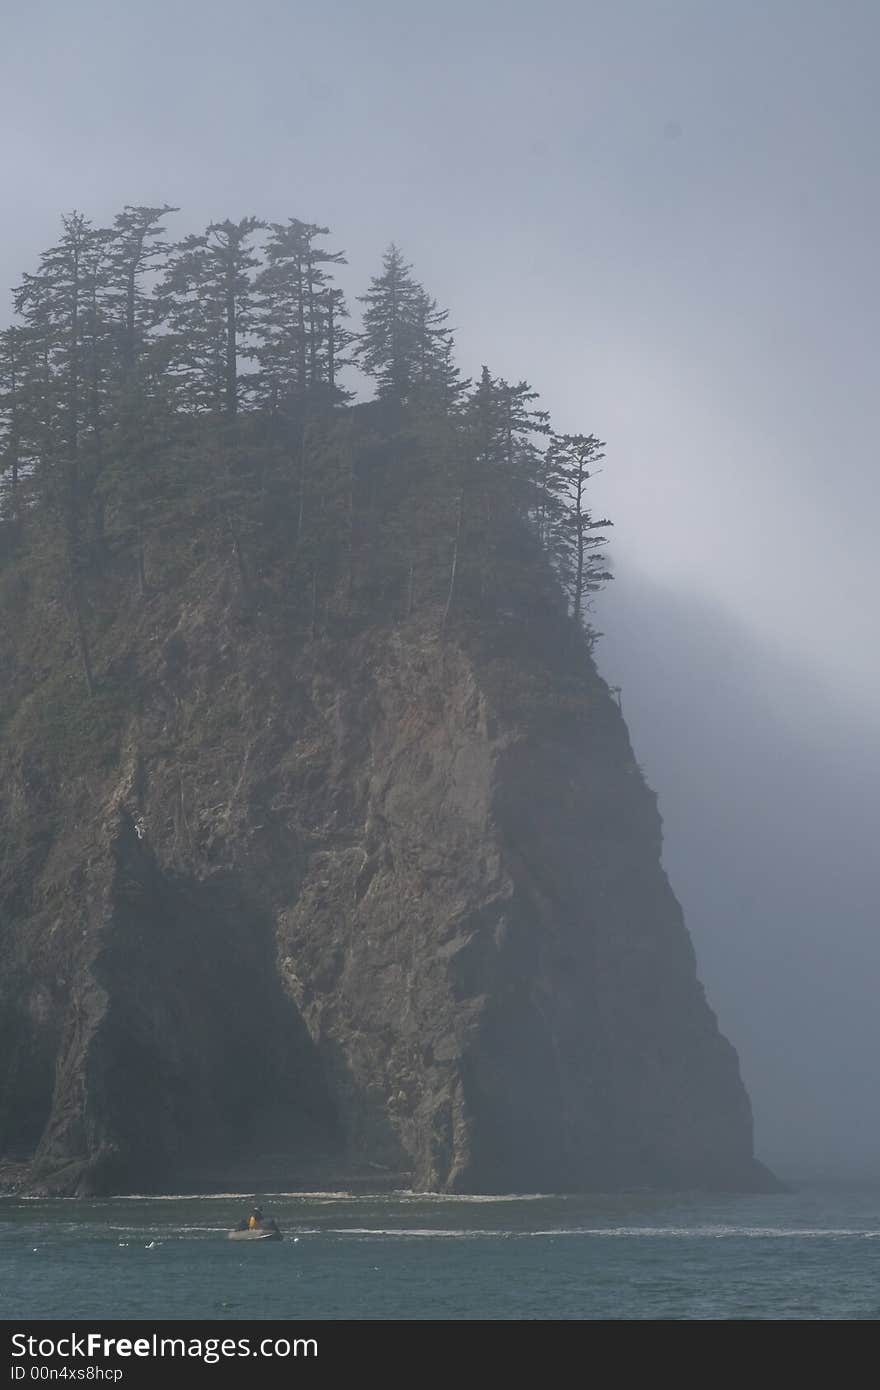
{"x": 257, "y": 1234}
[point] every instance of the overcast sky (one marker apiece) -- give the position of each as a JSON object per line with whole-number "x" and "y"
{"x": 664, "y": 213}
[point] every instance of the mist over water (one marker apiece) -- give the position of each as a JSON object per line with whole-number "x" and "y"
{"x": 769, "y": 787}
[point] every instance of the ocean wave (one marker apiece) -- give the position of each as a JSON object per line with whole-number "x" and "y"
{"x": 613, "y": 1233}
{"x": 475, "y": 1197}
{"x": 343, "y": 1195}
{"x": 710, "y": 1232}
{"x": 417, "y": 1232}
{"x": 179, "y": 1197}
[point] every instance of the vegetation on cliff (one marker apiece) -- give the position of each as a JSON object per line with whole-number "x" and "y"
{"x": 323, "y": 851}
{"x": 149, "y": 389}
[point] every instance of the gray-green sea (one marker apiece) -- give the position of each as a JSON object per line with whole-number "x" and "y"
{"x": 812, "y": 1253}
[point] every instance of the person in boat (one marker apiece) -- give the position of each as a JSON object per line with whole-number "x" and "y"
{"x": 256, "y": 1219}
{"x": 272, "y": 1225}
{"x": 242, "y": 1225}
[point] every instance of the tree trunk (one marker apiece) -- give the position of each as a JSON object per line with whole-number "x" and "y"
{"x": 580, "y": 522}
{"x": 13, "y": 421}
{"x": 231, "y": 356}
{"x": 130, "y": 287}
{"x": 74, "y": 360}
{"x": 301, "y": 325}
{"x": 313, "y": 326}
{"x": 331, "y": 343}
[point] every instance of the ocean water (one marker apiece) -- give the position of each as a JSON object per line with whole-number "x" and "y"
{"x": 813, "y": 1253}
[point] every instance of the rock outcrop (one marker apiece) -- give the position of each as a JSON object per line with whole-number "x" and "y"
{"x": 381, "y": 907}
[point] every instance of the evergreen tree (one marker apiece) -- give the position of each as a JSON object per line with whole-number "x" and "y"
{"x": 431, "y": 334}
{"x": 137, "y": 249}
{"x": 11, "y": 366}
{"x": 115, "y": 399}
{"x": 65, "y": 350}
{"x": 137, "y": 252}
{"x": 389, "y": 348}
{"x": 207, "y": 298}
{"x": 575, "y": 538}
{"x": 52, "y": 304}
{"x": 299, "y": 339}
{"x": 337, "y": 339}
{"x": 36, "y": 401}
{"x": 498, "y": 458}
{"x": 58, "y": 308}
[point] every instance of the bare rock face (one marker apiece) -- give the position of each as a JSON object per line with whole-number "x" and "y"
{"x": 383, "y": 908}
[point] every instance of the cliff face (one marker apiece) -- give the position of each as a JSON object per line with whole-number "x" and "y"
{"x": 384, "y": 905}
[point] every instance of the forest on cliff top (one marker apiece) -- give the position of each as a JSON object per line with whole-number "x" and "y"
{"x": 159, "y": 397}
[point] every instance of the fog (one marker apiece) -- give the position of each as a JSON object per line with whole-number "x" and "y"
{"x": 664, "y": 215}
{"x": 770, "y": 795}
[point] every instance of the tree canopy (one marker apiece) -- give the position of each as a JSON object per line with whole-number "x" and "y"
{"x": 147, "y": 384}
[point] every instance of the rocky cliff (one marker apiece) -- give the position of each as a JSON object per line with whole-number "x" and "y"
{"x": 384, "y": 905}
